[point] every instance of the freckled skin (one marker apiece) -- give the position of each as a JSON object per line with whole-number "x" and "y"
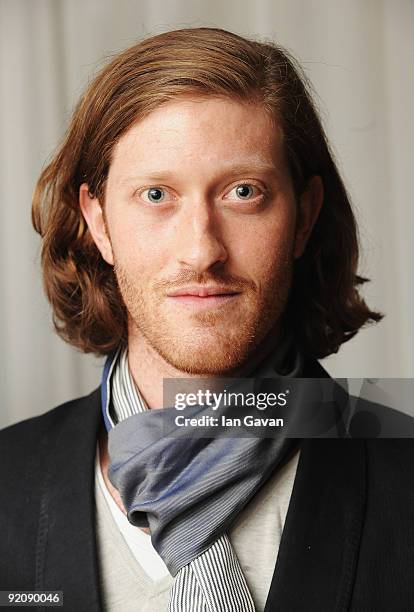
{"x": 201, "y": 234}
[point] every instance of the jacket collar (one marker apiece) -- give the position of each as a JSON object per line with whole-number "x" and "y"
{"x": 318, "y": 552}
{"x": 66, "y": 553}
{"x": 320, "y": 542}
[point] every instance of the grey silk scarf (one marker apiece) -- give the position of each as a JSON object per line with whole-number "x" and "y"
{"x": 189, "y": 490}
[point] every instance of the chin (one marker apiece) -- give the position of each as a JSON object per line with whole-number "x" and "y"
{"x": 204, "y": 363}
{"x": 205, "y": 354}
{"x": 213, "y": 347}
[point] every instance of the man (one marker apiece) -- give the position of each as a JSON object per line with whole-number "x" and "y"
{"x": 194, "y": 225}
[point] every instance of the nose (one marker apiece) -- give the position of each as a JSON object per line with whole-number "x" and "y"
{"x": 199, "y": 237}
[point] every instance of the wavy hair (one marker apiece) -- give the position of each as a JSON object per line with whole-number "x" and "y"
{"x": 324, "y": 309}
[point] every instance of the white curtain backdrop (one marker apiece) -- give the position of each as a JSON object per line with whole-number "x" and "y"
{"x": 360, "y": 58}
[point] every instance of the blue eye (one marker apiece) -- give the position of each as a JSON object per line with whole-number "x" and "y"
{"x": 155, "y": 194}
{"x": 244, "y": 191}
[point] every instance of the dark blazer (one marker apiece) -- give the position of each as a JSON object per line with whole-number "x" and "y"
{"x": 347, "y": 544}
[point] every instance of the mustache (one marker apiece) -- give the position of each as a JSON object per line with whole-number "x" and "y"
{"x": 188, "y": 277}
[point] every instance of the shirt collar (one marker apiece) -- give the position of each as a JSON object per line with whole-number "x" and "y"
{"x": 120, "y": 396}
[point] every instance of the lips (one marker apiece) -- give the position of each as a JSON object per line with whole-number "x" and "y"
{"x": 202, "y": 292}
{"x": 203, "y": 298}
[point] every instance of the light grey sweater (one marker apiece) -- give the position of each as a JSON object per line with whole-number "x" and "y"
{"x": 255, "y": 536}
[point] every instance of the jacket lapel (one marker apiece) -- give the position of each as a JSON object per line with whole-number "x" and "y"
{"x": 66, "y": 552}
{"x": 319, "y": 548}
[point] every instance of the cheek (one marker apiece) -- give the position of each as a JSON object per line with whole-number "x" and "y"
{"x": 266, "y": 249}
{"x": 137, "y": 249}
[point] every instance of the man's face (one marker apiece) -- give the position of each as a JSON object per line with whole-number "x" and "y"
{"x": 199, "y": 196}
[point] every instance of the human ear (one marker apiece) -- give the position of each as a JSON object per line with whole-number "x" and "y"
{"x": 93, "y": 214}
{"x": 310, "y": 204}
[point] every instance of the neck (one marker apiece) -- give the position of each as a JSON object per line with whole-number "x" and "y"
{"x": 148, "y": 368}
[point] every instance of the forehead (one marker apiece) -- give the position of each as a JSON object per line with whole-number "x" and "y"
{"x": 212, "y": 130}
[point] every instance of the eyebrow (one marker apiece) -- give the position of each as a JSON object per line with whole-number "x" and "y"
{"x": 239, "y": 169}
{"x": 254, "y": 166}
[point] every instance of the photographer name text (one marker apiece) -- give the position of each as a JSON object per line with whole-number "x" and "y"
{"x": 223, "y": 421}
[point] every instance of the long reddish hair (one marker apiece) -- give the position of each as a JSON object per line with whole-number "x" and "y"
{"x": 325, "y": 308}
